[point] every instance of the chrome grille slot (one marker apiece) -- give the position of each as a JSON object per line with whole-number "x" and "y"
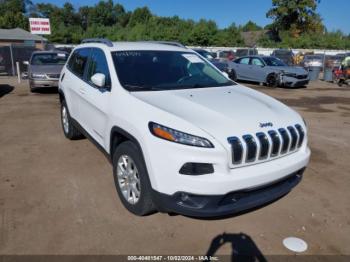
{"x": 264, "y": 145}
{"x": 301, "y": 134}
{"x": 251, "y": 148}
{"x": 285, "y": 140}
{"x": 236, "y": 149}
{"x": 294, "y": 136}
{"x": 276, "y": 143}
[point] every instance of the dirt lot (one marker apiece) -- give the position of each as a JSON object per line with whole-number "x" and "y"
{"x": 58, "y": 196}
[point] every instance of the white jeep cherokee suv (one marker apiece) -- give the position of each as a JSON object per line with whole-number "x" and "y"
{"x": 181, "y": 136}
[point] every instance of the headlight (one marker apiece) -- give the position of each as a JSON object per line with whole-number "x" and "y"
{"x": 290, "y": 75}
{"x": 178, "y": 137}
{"x": 38, "y": 76}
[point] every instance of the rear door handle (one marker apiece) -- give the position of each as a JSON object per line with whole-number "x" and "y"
{"x": 82, "y": 91}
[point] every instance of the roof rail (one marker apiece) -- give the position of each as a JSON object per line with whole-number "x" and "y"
{"x": 105, "y": 41}
{"x": 173, "y": 43}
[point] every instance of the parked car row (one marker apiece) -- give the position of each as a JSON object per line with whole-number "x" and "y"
{"x": 242, "y": 64}
{"x": 230, "y": 55}
{"x": 221, "y": 65}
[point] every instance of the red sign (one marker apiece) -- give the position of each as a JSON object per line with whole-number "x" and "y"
{"x": 40, "y": 26}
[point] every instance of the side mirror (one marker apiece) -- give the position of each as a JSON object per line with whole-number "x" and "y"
{"x": 25, "y": 62}
{"x": 226, "y": 75}
{"x": 98, "y": 80}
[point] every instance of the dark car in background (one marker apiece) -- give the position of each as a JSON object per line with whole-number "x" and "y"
{"x": 65, "y": 49}
{"x": 286, "y": 55}
{"x": 245, "y": 52}
{"x": 270, "y": 71}
{"x": 221, "y": 65}
{"x": 45, "y": 68}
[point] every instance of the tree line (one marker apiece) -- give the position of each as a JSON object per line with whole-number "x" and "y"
{"x": 295, "y": 24}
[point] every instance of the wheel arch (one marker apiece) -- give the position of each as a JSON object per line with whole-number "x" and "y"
{"x": 269, "y": 73}
{"x": 61, "y": 95}
{"x": 118, "y": 136}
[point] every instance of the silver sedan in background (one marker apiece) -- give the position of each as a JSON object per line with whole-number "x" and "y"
{"x": 268, "y": 70}
{"x": 45, "y": 68}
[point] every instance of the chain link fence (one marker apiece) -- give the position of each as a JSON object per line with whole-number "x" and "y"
{"x": 11, "y": 54}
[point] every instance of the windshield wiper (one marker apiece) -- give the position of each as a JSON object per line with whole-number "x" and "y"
{"x": 141, "y": 88}
{"x": 213, "y": 85}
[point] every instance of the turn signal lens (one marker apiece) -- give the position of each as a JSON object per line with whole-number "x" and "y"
{"x": 178, "y": 137}
{"x": 163, "y": 134}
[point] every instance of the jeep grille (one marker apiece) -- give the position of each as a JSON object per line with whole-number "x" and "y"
{"x": 263, "y": 146}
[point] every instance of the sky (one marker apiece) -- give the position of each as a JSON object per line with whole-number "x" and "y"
{"x": 335, "y": 13}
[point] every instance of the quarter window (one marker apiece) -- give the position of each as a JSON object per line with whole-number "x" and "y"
{"x": 98, "y": 64}
{"x": 78, "y": 61}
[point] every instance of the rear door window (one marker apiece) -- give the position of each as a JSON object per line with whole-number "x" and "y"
{"x": 78, "y": 61}
{"x": 244, "y": 61}
{"x": 257, "y": 62}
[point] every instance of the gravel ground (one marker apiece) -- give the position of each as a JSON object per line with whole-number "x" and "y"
{"x": 58, "y": 196}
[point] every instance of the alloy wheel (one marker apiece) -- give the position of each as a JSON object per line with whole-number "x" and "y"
{"x": 128, "y": 179}
{"x": 65, "y": 120}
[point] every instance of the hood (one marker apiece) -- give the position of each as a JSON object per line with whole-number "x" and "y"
{"x": 292, "y": 69}
{"x": 46, "y": 69}
{"x": 223, "y": 111}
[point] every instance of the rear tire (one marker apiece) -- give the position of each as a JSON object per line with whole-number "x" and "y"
{"x": 131, "y": 179}
{"x": 69, "y": 130}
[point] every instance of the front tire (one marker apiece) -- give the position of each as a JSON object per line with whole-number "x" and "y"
{"x": 69, "y": 130}
{"x": 272, "y": 80}
{"x": 131, "y": 179}
{"x": 32, "y": 89}
{"x": 233, "y": 75}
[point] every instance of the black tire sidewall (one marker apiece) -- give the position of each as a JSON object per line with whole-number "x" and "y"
{"x": 32, "y": 89}
{"x": 142, "y": 207}
{"x": 233, "y": 75}
{"x": 69, "y": 134}
{"x": 275, "y": 82}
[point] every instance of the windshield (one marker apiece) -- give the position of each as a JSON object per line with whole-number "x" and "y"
{"x": 165, "y": 70}
{"x": 273, "y": 61}
{"x": 49, "y": 59}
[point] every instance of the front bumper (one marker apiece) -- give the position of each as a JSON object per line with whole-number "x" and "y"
{"x": 294, "y": 82}
{"x": 231, "y": 203}
{"x": 38, "y": 83}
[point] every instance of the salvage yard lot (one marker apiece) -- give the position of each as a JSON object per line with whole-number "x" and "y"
{"x": 58, "y": 196}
